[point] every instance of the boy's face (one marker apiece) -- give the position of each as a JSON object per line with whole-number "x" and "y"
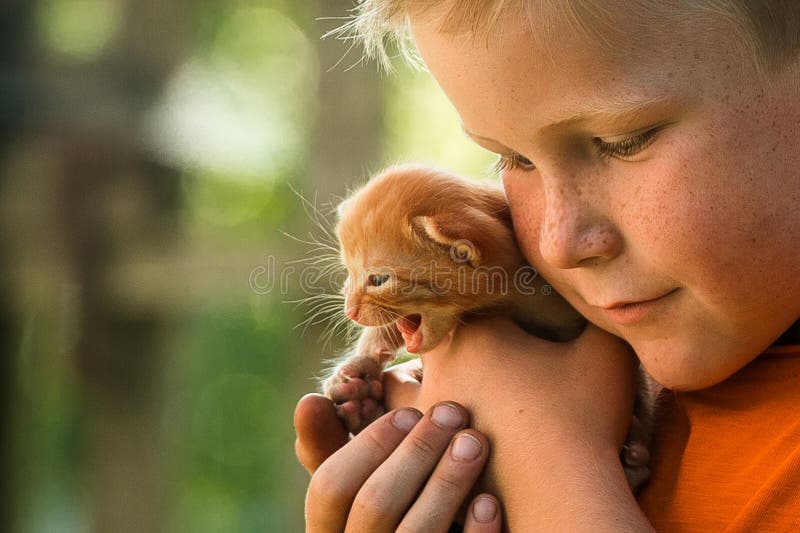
{"x": 664, "y": 199}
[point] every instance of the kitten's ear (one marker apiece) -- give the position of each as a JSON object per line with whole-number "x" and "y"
{"x": 468, "y": 232}
{"x": 341, "y": 208}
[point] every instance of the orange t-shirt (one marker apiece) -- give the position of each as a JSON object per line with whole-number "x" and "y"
{"x": 727, "y": 458}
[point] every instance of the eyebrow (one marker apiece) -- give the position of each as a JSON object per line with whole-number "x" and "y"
{"x": 611, "y": 111}
{"x": 478, "y": 137}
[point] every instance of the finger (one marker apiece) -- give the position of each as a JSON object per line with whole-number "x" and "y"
{"x": 484, "y": 515}
{"x": 401, "y": 386}
{"x": 389, "y": 492}
{"x": 449, "y": 485}
{"x": 336, "y": 482}
{"x": 319, "y": 431}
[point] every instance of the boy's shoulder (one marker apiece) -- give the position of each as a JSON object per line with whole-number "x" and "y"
{"x": 728, "y": 457}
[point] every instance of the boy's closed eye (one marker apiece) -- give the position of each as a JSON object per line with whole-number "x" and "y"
{"x": 628, "y": 146}
{"x": 605, "y": 130}
{"x": 623, "y": 149}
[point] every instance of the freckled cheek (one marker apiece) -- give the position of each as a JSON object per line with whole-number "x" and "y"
{"x": 525, "y": 199}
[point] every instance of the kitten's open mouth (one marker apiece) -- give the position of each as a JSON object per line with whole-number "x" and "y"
{"x": 409, "y": 326}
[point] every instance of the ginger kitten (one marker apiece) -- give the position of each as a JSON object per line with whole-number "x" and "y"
{"x": 425, "y": 249}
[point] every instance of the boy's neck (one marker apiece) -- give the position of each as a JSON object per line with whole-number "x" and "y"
{"x": 790, "y": 336}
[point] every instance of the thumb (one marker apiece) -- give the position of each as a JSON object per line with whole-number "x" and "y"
{"x": 319, "y": 431}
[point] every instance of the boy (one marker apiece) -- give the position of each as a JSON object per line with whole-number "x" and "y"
{"x": 651, "y": 155}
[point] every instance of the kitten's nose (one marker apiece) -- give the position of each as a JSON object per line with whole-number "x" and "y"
{"x": 352, "y": 311}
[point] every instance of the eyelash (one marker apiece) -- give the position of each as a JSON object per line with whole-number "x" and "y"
{"x": 507, "y": 163}
{"x": 627, "y": 147}
{"x": 620, "y": 149}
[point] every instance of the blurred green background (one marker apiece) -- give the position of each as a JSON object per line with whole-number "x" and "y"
{"x": 149, "y": 156}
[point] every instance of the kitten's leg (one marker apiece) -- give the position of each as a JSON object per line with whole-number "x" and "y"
{"x": 355, "y": 383}
{"x": 636, "y": 450}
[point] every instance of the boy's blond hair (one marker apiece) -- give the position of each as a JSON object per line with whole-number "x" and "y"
{"x": 771, "y": 28}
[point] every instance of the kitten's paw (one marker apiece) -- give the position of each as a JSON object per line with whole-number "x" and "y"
{"x": 357, "y": 392}
{"x": 635, "y": 456}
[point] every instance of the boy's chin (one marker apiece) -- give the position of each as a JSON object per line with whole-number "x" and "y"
{"x": 691, "y": 366}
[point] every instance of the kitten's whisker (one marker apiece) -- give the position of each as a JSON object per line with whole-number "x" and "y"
{"x": 321, "y": 316}
{"x": 322, "y": 295}
{"x": 333, "y": 270}
{"x": 314, "y": 297}
{"x": 327, "y": 309}
{"x": 317, "y": 259}
{"x": 325, "y": 269}
{"x": 312, "y": 242}
{"x": 335, "y": 328}
{"x": 331, "y": 306}
{"x": 302, "y": 333}
{"x": 340, "y": 322}
{"x": 312, "y": 322}
{"x": 392, "y": 313}
{"x": 325, "y": 250}
{"x": 328, "y": 234}
{"x": 324, "y": 307}
{"x": 330, "y": 310}
{"x": 316, "y": 216}
{"x": 350, "y": 331}
{"x": 314, "y": 305}
{"x": 322, "y": 245}
{"x": 396, "y": 336}
{"x": 333, "y": 311}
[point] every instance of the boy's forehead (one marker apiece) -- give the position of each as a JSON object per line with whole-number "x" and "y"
{"x": 564, "y": 74}
{"x": 560, "y": 80}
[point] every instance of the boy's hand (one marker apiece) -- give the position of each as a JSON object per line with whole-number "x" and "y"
{"x": 319, "y": 431}
{"x": 374, "y": 481}
{"x": 555, "y": 413}
{"x": 504, "y": 375}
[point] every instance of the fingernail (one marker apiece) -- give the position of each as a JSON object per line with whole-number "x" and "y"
{"x": 447, "y": 416}
{"x": 405, "y": 419}
{"x": 484, "y": 510}
{"x": 466, "y": 448}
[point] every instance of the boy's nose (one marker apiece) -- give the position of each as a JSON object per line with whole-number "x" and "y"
{"x": 574, "y": 234}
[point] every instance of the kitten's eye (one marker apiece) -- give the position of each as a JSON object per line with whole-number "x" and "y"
{"x": 376, "y": 280}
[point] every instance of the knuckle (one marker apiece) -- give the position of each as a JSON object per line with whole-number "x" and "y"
{"x": 372, "y": 503}
{"x": 407, "y": 528}
{"x": 377, "y": 440}
{"x": 421, "y": 448}
{"x": 373, "y": 507}
{"x": 326, "y": 491}
{"x": 448, "y": 481}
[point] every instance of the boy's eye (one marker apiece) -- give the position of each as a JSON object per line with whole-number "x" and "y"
{"x": 626, "y": 147}
{"x": 619, "y": 149}
{"x": 376, "y": 280}
{"x": 512, "y": 162}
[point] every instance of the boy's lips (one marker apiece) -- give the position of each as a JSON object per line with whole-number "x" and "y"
{"x": 631, "y": 311}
